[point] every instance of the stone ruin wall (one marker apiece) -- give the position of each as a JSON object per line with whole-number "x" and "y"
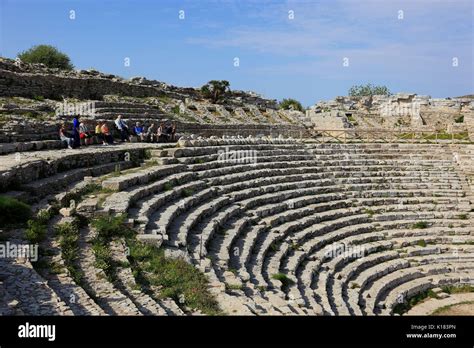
{"x": 404, "y": 110}
{"x": 25, "y": 130}
{"x": 31, "y": 80}
{"x": 19, "y": 79}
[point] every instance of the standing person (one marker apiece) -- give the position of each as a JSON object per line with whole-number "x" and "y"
{"x": 139, "y": 131}
{"x": 106, "y": 134}
{"x": 123, "y": 128}
{"x": 85, "y": 134}
{"x": 65, "y": 136}
{"x": 75, "y": 132}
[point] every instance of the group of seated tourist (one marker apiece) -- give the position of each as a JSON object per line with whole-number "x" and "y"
{"x": 162, "y": 134}
{"x": 81, "y": 134}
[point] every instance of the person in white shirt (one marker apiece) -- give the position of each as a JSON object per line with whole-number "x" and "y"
{"x": 123, "y": 128}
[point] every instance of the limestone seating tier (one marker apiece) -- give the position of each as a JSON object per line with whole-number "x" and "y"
{"x": 7, "y": 148}
{"x": 335, "y": 229}
{"x": 214, "y": 222}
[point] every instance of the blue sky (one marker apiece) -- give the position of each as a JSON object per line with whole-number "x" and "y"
{"x": 300, "y": 57}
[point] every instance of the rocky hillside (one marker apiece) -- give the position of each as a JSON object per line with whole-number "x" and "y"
{"x": 399, "y": 111}
{"x": 35, "y": 91}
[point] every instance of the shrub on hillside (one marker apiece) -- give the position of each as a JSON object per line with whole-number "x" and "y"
{"x": 287, "y": 104}
{"x": 368, "y": 90}
{"x": 215, "y": 89}
{"x": 47, "y": 55}
{"x": 13, "y": 211}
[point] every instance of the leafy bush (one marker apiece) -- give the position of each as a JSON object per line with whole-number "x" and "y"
{"x": 36, "y": 231}
{"x": 13, "y": 211}
{"x": 47, "y": 55}
{"x": 368, "y": 90}
{"x": 215, "y": 89}
{"x": 287, "y": 104}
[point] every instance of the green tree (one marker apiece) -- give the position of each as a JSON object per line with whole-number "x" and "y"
{"x": 368, "y": 90}
{"x": 215, "y": 89}
{"x": 47, "y": 55}
{"x": 286, "y": 104}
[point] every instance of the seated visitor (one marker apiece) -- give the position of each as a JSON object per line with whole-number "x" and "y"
{"x": 106, "y": 134}
{"x": 168, "y": 131}
{"x": 123, "y": 129}
{"x": 161, "y": 133}
{"x": 64, "y": 135}
{"x": 173, "y": 132}
{"x": 85, "y": 134}
{"x": 98, "y": 134}
{"x": 151, "y": 133}
{"x": 139, "y": 131}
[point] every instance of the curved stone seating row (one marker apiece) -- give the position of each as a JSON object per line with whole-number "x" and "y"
{"x": 187, "y": 142}
{"x": 55, "y": 183}
{"x": 7, "y": 148}
{"x": 78, "y": 301}
{"x": 374, "y": 303}
{"x": 370, "y": 275}
{"x": 126, "y": 283}
{"x": 141, "y": 177}
{"x": 247, "y": 222}
{"x": 27, "y": 168}
{"x": 416, "y": 286}
{"x": 341, "y": 280}
{"x": 109, "y": 298}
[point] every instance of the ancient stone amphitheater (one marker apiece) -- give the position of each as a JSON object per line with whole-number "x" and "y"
{"x": 275, "y": 223}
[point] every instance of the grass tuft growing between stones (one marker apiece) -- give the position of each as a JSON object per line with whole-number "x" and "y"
{"x": 421, "y": 243}
{"x": 38, "y": 227}
{"x": 369, "y": 212}
{"x": 420, "y": 224}
{"x": 176, "y": 278}
{"x": 413, "y": 301}
{"x": 13, "y": 212}
{"x": 457, "y": 289}
{"x": 68, "y": 234}
{"x": 283, "y": 278}
{"x": 108, "y": 228}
